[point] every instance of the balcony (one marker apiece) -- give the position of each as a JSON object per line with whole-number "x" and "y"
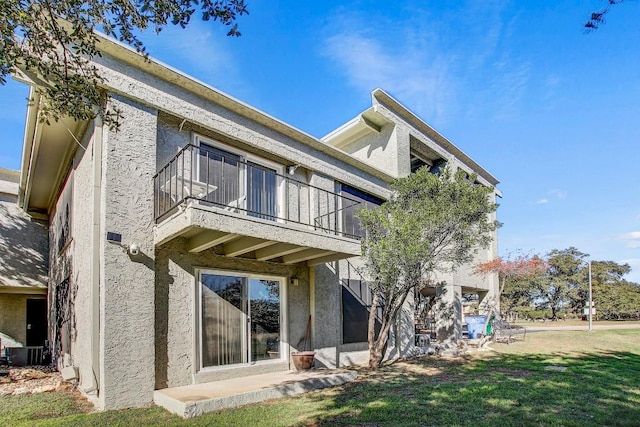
{"x": 244, "y": 207}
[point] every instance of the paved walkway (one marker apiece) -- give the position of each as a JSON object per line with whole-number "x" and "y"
{"x": 193, "y": 400}
{"x": 585, "y": 327}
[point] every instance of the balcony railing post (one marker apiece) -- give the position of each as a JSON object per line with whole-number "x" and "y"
{"x": 335, "y": 213}
{"x": 182, "y": 187}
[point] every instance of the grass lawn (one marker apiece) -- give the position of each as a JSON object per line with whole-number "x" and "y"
{"x": 509, "y": 387}
{"x": 608, "y": 324}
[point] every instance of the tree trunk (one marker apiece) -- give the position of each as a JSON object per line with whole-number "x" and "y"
{"x": 371, "y": 333}
{"x": 378, "y": 346}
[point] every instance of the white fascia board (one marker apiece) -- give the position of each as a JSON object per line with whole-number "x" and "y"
{"x": 31, "y": 123}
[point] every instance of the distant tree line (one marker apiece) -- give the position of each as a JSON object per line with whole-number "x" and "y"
{"x": 557, "y": 286}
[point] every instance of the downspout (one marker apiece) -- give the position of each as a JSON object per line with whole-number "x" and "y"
{"x": 95, "y": 258}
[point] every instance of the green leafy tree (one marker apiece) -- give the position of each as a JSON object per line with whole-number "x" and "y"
{"x": 52, "y": 42}
{"x": 614, "y": 297}
{"x": 564, "y": 279}
{"x": 432, "y": 223}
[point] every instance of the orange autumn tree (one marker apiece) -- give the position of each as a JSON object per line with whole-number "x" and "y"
{"x": 513, "y": 270}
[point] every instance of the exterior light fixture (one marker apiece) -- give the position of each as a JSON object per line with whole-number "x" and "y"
{"x": 134, "y": 249}
{"x": 292, "y": 169}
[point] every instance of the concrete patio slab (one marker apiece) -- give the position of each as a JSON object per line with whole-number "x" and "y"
{"x": 197, "y": 399}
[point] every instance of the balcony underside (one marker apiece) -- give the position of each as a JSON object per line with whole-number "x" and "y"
{"x": 237, "y": 235}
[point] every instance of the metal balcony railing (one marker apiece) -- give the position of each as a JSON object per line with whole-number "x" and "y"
{"x": 213, "y": 177}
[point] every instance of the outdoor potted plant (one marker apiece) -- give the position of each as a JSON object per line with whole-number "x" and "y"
{"x": 304, "y": 359}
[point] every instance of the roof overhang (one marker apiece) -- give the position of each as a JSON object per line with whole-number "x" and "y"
{"x": 366, "y": 123}
{"x": 379, "y": 96}
{"x": 47, "y": 151}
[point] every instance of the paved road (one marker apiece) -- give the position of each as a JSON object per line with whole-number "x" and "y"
{"x": 536, "y": 328}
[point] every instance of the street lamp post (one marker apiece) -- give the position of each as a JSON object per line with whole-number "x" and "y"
{"x": 590, "y": 303}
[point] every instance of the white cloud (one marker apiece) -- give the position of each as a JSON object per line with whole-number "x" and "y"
{"x": 510, "y": 85}
{"x": 421, "y": 62}
{"x": 194, "y": 50}
{"x": 557, "y": 194}
{"x": 632, "y": 238}
{"x": 422, "y": 83}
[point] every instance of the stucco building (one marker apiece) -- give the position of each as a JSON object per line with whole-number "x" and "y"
{"x": 193, "y": 244}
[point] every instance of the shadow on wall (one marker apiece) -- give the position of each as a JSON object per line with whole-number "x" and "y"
{"x": 162, "y": 283}
{"x": 23, "y": 248}
{"x": 62, "y": 317}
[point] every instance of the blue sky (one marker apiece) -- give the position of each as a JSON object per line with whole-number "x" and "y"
{"x": 552, "y": 112}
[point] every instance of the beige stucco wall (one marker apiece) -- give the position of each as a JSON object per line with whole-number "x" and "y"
{"x": 74, "y": 262}
{"x": 126, "y": 281}
{"x": 380, "y": 149}
{"x": 13, "y": 317}
{"x": 228, "y": 126}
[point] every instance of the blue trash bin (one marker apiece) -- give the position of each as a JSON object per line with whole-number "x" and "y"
{"x": 475, "y": 325}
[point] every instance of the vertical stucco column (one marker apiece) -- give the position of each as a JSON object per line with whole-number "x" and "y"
{"x": 449, "y": 312}
{"x": 127, "y": 281}
{"x": 327, "y": 292}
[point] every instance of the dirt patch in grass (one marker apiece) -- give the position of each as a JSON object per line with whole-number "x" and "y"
{"x": 21, "y": 383}
{"x": 30, "y": 380}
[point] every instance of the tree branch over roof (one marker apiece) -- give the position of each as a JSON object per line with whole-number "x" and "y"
{"x": 598, "y": 18}
{"x": 52, "y": 43}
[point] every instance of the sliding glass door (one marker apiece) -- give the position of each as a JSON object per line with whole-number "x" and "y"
{"x": 264, "y": 309}
{"x": 240, "y": 318}
{"x": 236, "y": 183}
{"x": 262, "y": 191}
{"x": 223, "y": 171}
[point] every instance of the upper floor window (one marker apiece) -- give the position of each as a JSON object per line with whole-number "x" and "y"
{"x": 435, "y": 166}
{"x": 351, "y": 223}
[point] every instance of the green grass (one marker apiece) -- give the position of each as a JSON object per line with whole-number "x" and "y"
{"x": 509, "y": 387}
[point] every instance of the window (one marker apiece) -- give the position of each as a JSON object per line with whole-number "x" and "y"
{"x": 356, "y": 303}
{"x": 240, "y": 318}
{"x": 351, "y": 224}
{"x": 434, "y": 166}
{"x": 240, "y": 182}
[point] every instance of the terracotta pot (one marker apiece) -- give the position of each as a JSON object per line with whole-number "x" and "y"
{"x": 303, "y": 360}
